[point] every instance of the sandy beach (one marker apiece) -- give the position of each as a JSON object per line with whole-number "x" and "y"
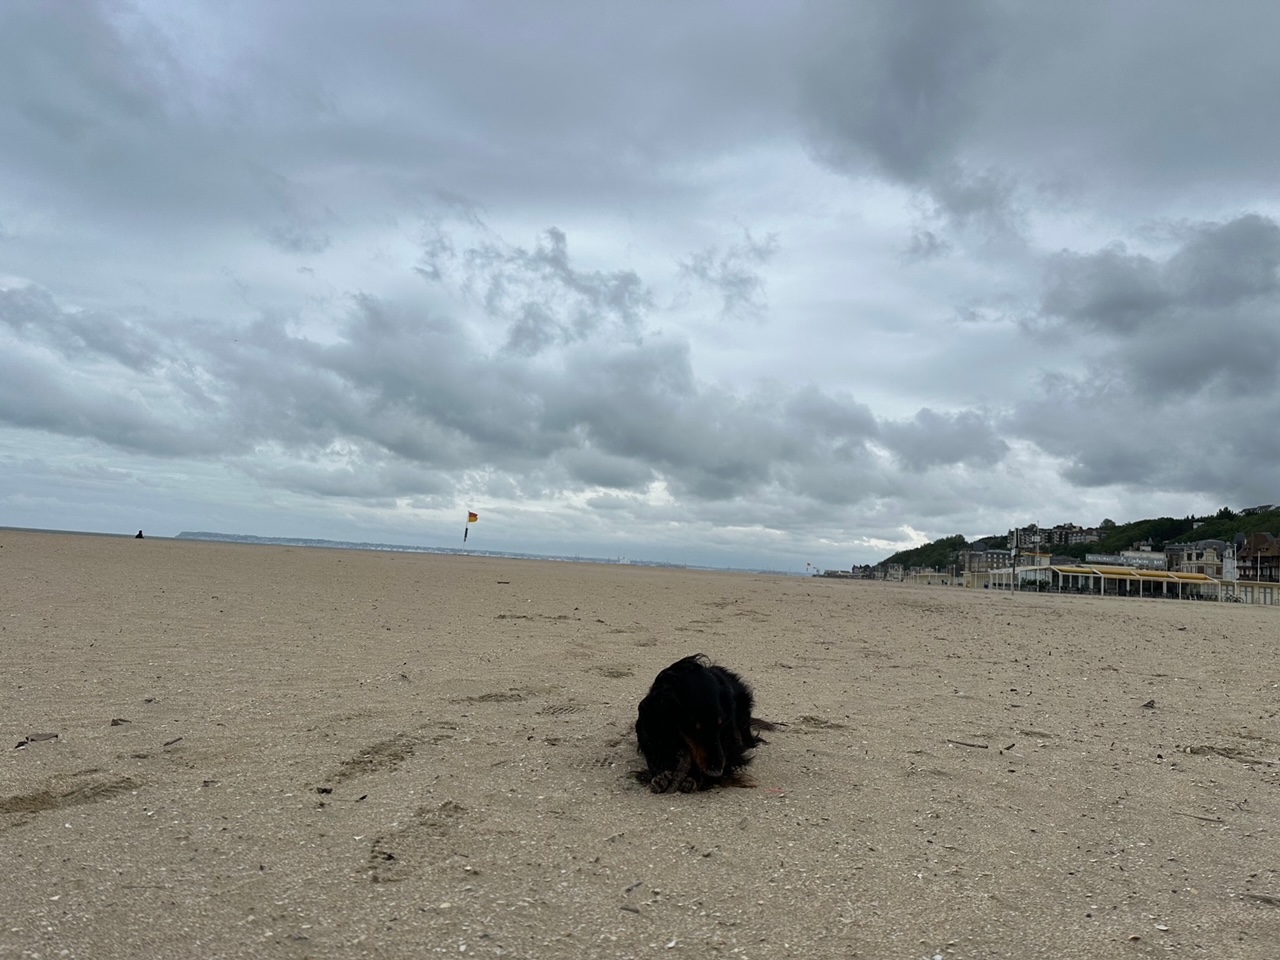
{"x": 290, "y": 752}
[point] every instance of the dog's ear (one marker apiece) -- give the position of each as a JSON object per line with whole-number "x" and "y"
{"x": 658, "y": 704}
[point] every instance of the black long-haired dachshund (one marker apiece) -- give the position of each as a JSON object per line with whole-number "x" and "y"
{"x": 695, "y": 727}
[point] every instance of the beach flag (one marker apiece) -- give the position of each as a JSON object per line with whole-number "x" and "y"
{"x": 471, "y": 518}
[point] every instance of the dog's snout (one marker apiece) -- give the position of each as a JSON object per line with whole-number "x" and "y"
{"x": 714, "y": 760}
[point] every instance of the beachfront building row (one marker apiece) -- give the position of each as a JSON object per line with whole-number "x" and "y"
{"x": 1253, "y": 557}
{"x": 1245, "y": 569}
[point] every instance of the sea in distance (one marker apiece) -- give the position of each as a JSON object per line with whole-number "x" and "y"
{"x": 409, "y": 548}
{"x": 460, "y": 551}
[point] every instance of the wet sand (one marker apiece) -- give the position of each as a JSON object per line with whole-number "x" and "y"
{"x": 269, "y": 751}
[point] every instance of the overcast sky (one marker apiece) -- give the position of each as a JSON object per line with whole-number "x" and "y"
{"x": 740, "y": 283}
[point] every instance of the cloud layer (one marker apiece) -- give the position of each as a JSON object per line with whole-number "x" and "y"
{"x": 749, "y": 289}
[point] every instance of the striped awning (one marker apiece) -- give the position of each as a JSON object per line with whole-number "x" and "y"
{"x": 1135, "y": 573}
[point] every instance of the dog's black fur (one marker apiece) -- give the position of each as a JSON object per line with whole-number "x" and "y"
{"x": 695, "y": 727}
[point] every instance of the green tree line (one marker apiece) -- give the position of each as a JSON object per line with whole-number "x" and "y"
{"x": 1114, "y": 537}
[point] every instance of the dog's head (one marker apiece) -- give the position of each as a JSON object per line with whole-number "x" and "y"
{"x": 691, "y": 701}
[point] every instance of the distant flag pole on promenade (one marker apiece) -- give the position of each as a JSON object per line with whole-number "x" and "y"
{"x": 471, "y": 518}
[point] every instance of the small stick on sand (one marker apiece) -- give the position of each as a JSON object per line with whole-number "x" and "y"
{"x": 976, "y": 746}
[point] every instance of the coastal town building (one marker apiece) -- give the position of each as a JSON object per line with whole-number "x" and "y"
{"x": 973, "y": 565}
{"x": 1258, "y": 558}
{"x": 1066, "y": 534}
{"x": 1216, "y": 558}
{"x": 1062, "y": 535}
{"x": 979, "y": 558}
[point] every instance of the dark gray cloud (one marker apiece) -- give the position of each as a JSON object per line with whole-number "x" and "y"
{"x": 1183, "y": 376}
{"x": 925, "y": 245}
{"x": 549, "y": 302}
{"x": 51, "y": 378}
{"x": 32, "y": 316}
{"x": 734, "y": 274}
{"x": 1204, "y": 316}
{"x": 932, "y": 439}
{"x": 1108, "y": 435}
{"x": 899, "y": 88}
{"x": 989, "y": 109}
{"x": 900, "y": 85}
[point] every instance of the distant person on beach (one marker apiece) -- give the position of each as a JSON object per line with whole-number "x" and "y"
{"x": 139, "y": 536}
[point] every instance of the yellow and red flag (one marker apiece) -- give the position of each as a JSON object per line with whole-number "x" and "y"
{"x": 472, "y": 517}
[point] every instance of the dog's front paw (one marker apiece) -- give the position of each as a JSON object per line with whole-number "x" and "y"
{"x": 689, "y": 785}
{"x": 662, "y": 782}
